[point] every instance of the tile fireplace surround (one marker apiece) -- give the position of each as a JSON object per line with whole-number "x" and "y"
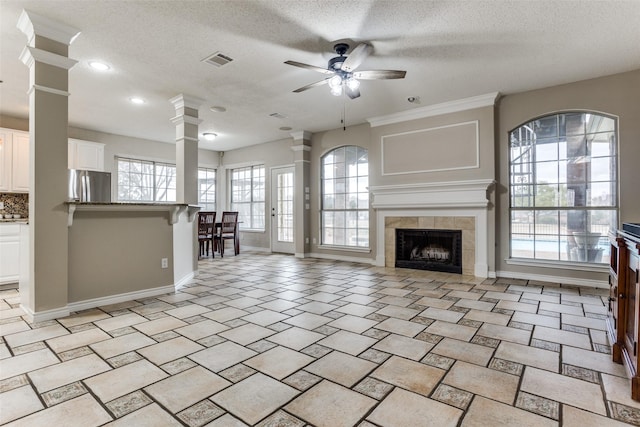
{"x": 456, "y": 205}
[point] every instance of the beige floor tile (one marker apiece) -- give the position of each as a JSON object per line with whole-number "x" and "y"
{"x": 592, "y": 360}
{"x": 84, "y": 317}
{"x": 530, "y": 356}
{"x": 35, "y": 335}
{"x": 244, "y": 302}
{"x": 12, "y": 312}
{"x": 452, "y": 330}
{"x": 410, "y": 375}
{"x": 177, "y": 297}
{"x": 187, "y": 311}
{"x": 316, "y": 307}
{"x": 592, "y": 300}
{"x": 169, "y": 350}
{"x": 562, "y": 337}
{"x": 519, "y": 306}
{"x": 574, "y": 417}
{"x": 353, "y": 323}
{"x": 485, "y": 412}
{"x": 278, "y": 305}
{"x": 83, "y": 411}
{"x": 225, "y": 314}
{"x": 399, "y": 301}
{"x": 222, "y": 356}
{"x": 536, "y": 319}
{"x": 487, "y": 317}
{"x": 279, "y": 362}
{"x": 403, "y": 313}
{"x": 117, "y": 322}
{"x": 60, "y": 374}
{"x": 440, "y": 314}
{"x": 483, "y": 381}
{"x": 505, "y": 333}
{"x": 122, "y": 344}
{"x": 401, "y": 327}
{"x": 348, "y": 342}
{"x": 123, "y": 380}
{"x": 585, "y": 322}
{"x": 356, "y": 309}
{"x": 561, "y": 308}
{"x": 227, "y": 420}
{"x": 27, "y": 362}
{"x": 265, "y": 317}
{"x": 435, "y": 302}
{"x": 193, "y": 385}
{"x": 330, "y": 405}
{"x": 402, "y": 408}
{"x": 296, "y": 338}
{"x": 308, "y": 320}
{"x": 618, "y": 389}
{"x": 465, "y": 295}
{"x": 475, "y": 305}
{"x": 19, "y": 326}
{"x": 162, "y": 324}
{"x": 541, "y": 297}
{"x": 403, "y": 346}
{"x": 17, "y": 403}
{"x": 564, "y": 389}
{"x": 246, "y": 334}
{"x": 359, "y": 299}
{"x": 503, "y": 296}
{"x": 254, "y": 398}
{"x": 341, "y": 368}
{"x": 462, "y": 350}
{"x": 202, "y": 329}
{"x": 79, "y": 339}
{"x": 149, "y": 416}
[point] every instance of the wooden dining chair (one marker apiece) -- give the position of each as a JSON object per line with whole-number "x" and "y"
{"x": 206, "y": 234}
{"x": 228, "y": 231}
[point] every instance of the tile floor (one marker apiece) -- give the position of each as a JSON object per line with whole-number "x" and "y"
{"x": 272, "y": 340}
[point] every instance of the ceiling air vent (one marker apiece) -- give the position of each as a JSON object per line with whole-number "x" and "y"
{"x": 278, "y": 115}
{"x": 217, "y": 59}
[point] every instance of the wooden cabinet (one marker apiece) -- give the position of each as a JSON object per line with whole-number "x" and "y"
{"x": 86, "y": 155}
{"x": 624, "y": 304}
{"x": 14, "y": 161}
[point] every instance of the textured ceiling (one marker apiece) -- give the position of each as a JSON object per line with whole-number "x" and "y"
{"x": 450, "y": 50}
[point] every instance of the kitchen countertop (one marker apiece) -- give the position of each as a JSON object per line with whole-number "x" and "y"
{"x": 14, "y": 220}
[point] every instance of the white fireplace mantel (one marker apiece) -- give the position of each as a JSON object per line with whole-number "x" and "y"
{"x": 452, "y": 199}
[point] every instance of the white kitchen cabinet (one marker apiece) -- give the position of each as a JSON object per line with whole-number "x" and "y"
{"x": 86, "y": 155}
{"x": 9, "y": 252}
{"x": 14, "y": 159}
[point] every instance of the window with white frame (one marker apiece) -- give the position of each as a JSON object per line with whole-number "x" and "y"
{"x": 145, "y": 181}
{"x": 563, "y": 187}
{"x": 248, "y": 196}
{"x": 345, "y": 197}
{"x": 207, "y": 189}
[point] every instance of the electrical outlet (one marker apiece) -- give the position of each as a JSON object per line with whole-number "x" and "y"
{"x": 164, "y": 263}
{"x": 1, "y": 205}
{"x": 306, "y": 240}
{"x": 314, "y": 240}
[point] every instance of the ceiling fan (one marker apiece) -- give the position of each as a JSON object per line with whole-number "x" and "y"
{"x": 342, "y": 71}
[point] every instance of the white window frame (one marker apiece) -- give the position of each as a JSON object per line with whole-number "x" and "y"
{"x": 204, "y": 201}
{"x": 254, "y": 198}
{"x": 154, "y": 186}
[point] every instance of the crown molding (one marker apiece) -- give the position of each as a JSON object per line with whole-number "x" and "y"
{"x": 30, "y": 55}
{"x": 179, "y": 120}
{"x": 32, "y": 24}
{"x": 304, "y": 135}
{"x": 188, "y": 101}
{"x": 436, "y": 109}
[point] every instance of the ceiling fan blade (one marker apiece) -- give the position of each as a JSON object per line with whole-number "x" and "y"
{"x": 356, "y": 57}
{"x": 309, "y": 86}
{"x": 352, "y": 93}
{"x": 379, "y": 74}
{"x": 309, "y": 67}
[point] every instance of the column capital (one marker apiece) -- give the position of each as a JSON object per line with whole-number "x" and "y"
{"x": 186, "y": 101}
{"x": 182, "y": 119}
{"x": 30, "y": 55}
{"x": 304, "y": 135}
{"x": 32, "y": 24}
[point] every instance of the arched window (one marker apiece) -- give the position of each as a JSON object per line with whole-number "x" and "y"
{"x": 563, "y": 187}
{"x": 345, "y": 197}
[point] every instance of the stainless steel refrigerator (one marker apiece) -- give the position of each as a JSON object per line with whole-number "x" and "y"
{"x": 89, "y": 186}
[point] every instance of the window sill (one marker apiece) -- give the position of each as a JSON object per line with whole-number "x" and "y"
{"x": 345, "y": 248}
{"x": 561, "y": 265}
{"x": 250, "y": 230}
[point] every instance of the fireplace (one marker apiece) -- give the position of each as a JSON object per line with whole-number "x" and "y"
{"x": 425, "y": 249}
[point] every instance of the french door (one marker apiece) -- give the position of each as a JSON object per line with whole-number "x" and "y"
{"x": 282, "y": 193}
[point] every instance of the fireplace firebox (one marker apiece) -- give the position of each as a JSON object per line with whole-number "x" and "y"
{"x": 435, "y": 250}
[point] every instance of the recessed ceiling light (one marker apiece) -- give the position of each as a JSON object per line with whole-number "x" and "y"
{"x": 137, "y": 100}
{"x": 100, "y": 66}
{"x": 209, "y": 136}
{"x": 286, "y": 128}
{"x": 218, "y": 109}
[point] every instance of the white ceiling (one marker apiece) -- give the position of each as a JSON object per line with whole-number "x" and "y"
{"x": 450, "y": 50}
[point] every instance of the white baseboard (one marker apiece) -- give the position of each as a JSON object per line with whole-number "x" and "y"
{"x": 340, "y": 258}
{"x": 554, "y": 279}
{"x": 115, "y": 299}
{"x": 185, "y": 280}
{"x": 41, "y": 316}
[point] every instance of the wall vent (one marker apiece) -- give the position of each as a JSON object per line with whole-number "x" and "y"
{"x": 217, "y": 59}
{"x": 278, "y": 115}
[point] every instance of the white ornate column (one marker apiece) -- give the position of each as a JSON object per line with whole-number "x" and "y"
{"x": 301, "y": 219}
{"x": 46, "y": 56}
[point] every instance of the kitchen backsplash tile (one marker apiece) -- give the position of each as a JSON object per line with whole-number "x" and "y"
{"x": 15, "y": 203}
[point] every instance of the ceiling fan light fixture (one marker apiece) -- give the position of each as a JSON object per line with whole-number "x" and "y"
{"x": 209, "y": 136}
{"x": 336, "y": 91}
{"x": 352, "y": 83}
{"x": 335, "y": 82}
